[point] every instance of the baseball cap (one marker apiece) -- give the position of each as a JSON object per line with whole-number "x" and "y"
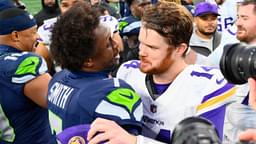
{"x": 203, "y": 8}
{"x": 129, "y": 26}
{"x": 15, "y": 19}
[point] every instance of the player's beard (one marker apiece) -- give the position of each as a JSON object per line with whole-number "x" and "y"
{"x": 205, "y": 32}
{"x": 50, "y": 9}
{"x": 163, "y": 66}
{"x": 244, "y": 36}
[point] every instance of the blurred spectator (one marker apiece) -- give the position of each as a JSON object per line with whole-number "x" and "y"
{"x": 137, "y": 7}
{"x": 129, "y": 28}
{"x": 189, "y": 5}
{"x": 227, "y": 11}
{"x": 112, "y": 11}
{"x": 50, "y": 9}
{"x": 124, "y": 8}
{"x": 205, "y": 37}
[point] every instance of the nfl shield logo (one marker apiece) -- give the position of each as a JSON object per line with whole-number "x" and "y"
{"x": 153, "y": 108}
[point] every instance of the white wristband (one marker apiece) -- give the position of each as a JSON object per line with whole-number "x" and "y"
{"x": 145, "y": 140}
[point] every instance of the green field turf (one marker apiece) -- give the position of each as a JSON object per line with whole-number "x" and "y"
{"x": 33, "y": 6}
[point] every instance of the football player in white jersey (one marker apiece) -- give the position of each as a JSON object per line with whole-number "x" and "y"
{"x": 170, "y": 89}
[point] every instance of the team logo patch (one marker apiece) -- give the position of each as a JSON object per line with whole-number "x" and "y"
{"x": 76, "y": 140}
{"x": 153, "y": 108}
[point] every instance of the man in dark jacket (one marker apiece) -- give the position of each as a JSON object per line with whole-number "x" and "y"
{"x": 50, "y": 9}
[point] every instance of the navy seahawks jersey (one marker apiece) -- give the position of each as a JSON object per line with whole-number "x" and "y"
{"x": 79, "y": 98}
{"x": 21, "y": 120}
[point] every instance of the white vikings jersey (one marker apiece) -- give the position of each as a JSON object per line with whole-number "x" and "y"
{"x": 196, "y": 91}
{"x": 45, "y": 31}
{"x": 228, "y": 14}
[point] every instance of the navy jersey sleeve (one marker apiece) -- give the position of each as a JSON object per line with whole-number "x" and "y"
{"x": 118, "y": 102}
{"x": 22, "y": 120}
{"x": 29, "y": 66}
{"x": 19, "y": 68}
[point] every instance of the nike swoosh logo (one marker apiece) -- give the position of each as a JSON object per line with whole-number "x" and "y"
{"x": 219, "y": 81}
{"x": 127, "y": 96}
{"x": 30, "y": 64}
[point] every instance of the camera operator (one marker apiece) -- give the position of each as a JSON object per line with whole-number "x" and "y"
{"x": 242, "y": 117}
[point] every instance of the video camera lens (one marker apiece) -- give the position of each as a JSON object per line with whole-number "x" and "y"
{"x": 195, "y": 130}
{"x": 238, "y": 63}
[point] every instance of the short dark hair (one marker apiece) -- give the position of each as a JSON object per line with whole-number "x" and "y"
{"x": 73, "y": 36}
{"x": 248, "y": 2}
{"x": 170, "y": 20}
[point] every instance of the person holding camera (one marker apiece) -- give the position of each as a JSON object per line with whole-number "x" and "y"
{"x": 236, "y": 64}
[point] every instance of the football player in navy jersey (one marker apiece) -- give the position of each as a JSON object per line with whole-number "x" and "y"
{"x": 23, "y": 82}
{"x": 83, "y": 90}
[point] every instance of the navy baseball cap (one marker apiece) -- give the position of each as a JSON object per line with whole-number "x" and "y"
{"x": 129, "y": 26}
{"x": 203, "y": 8}
{"x": 15, "y": 19}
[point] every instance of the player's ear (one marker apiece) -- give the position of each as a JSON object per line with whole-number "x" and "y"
{"x": 182, "y": 49}
{"x": 15, "y": 36}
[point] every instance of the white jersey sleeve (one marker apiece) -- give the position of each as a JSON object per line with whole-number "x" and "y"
{"x": 45, "y": 31}
{"x": 145, "y": 140}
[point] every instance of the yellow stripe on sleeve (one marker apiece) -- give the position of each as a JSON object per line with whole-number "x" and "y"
{"x": 217, "y": 99}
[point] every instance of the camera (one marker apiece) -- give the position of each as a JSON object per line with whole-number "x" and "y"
{"x": 195, "y": 130}
{"x": 238, "y": 63}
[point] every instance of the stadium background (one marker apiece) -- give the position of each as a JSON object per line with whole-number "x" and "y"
{"x": 33, "y": 6}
